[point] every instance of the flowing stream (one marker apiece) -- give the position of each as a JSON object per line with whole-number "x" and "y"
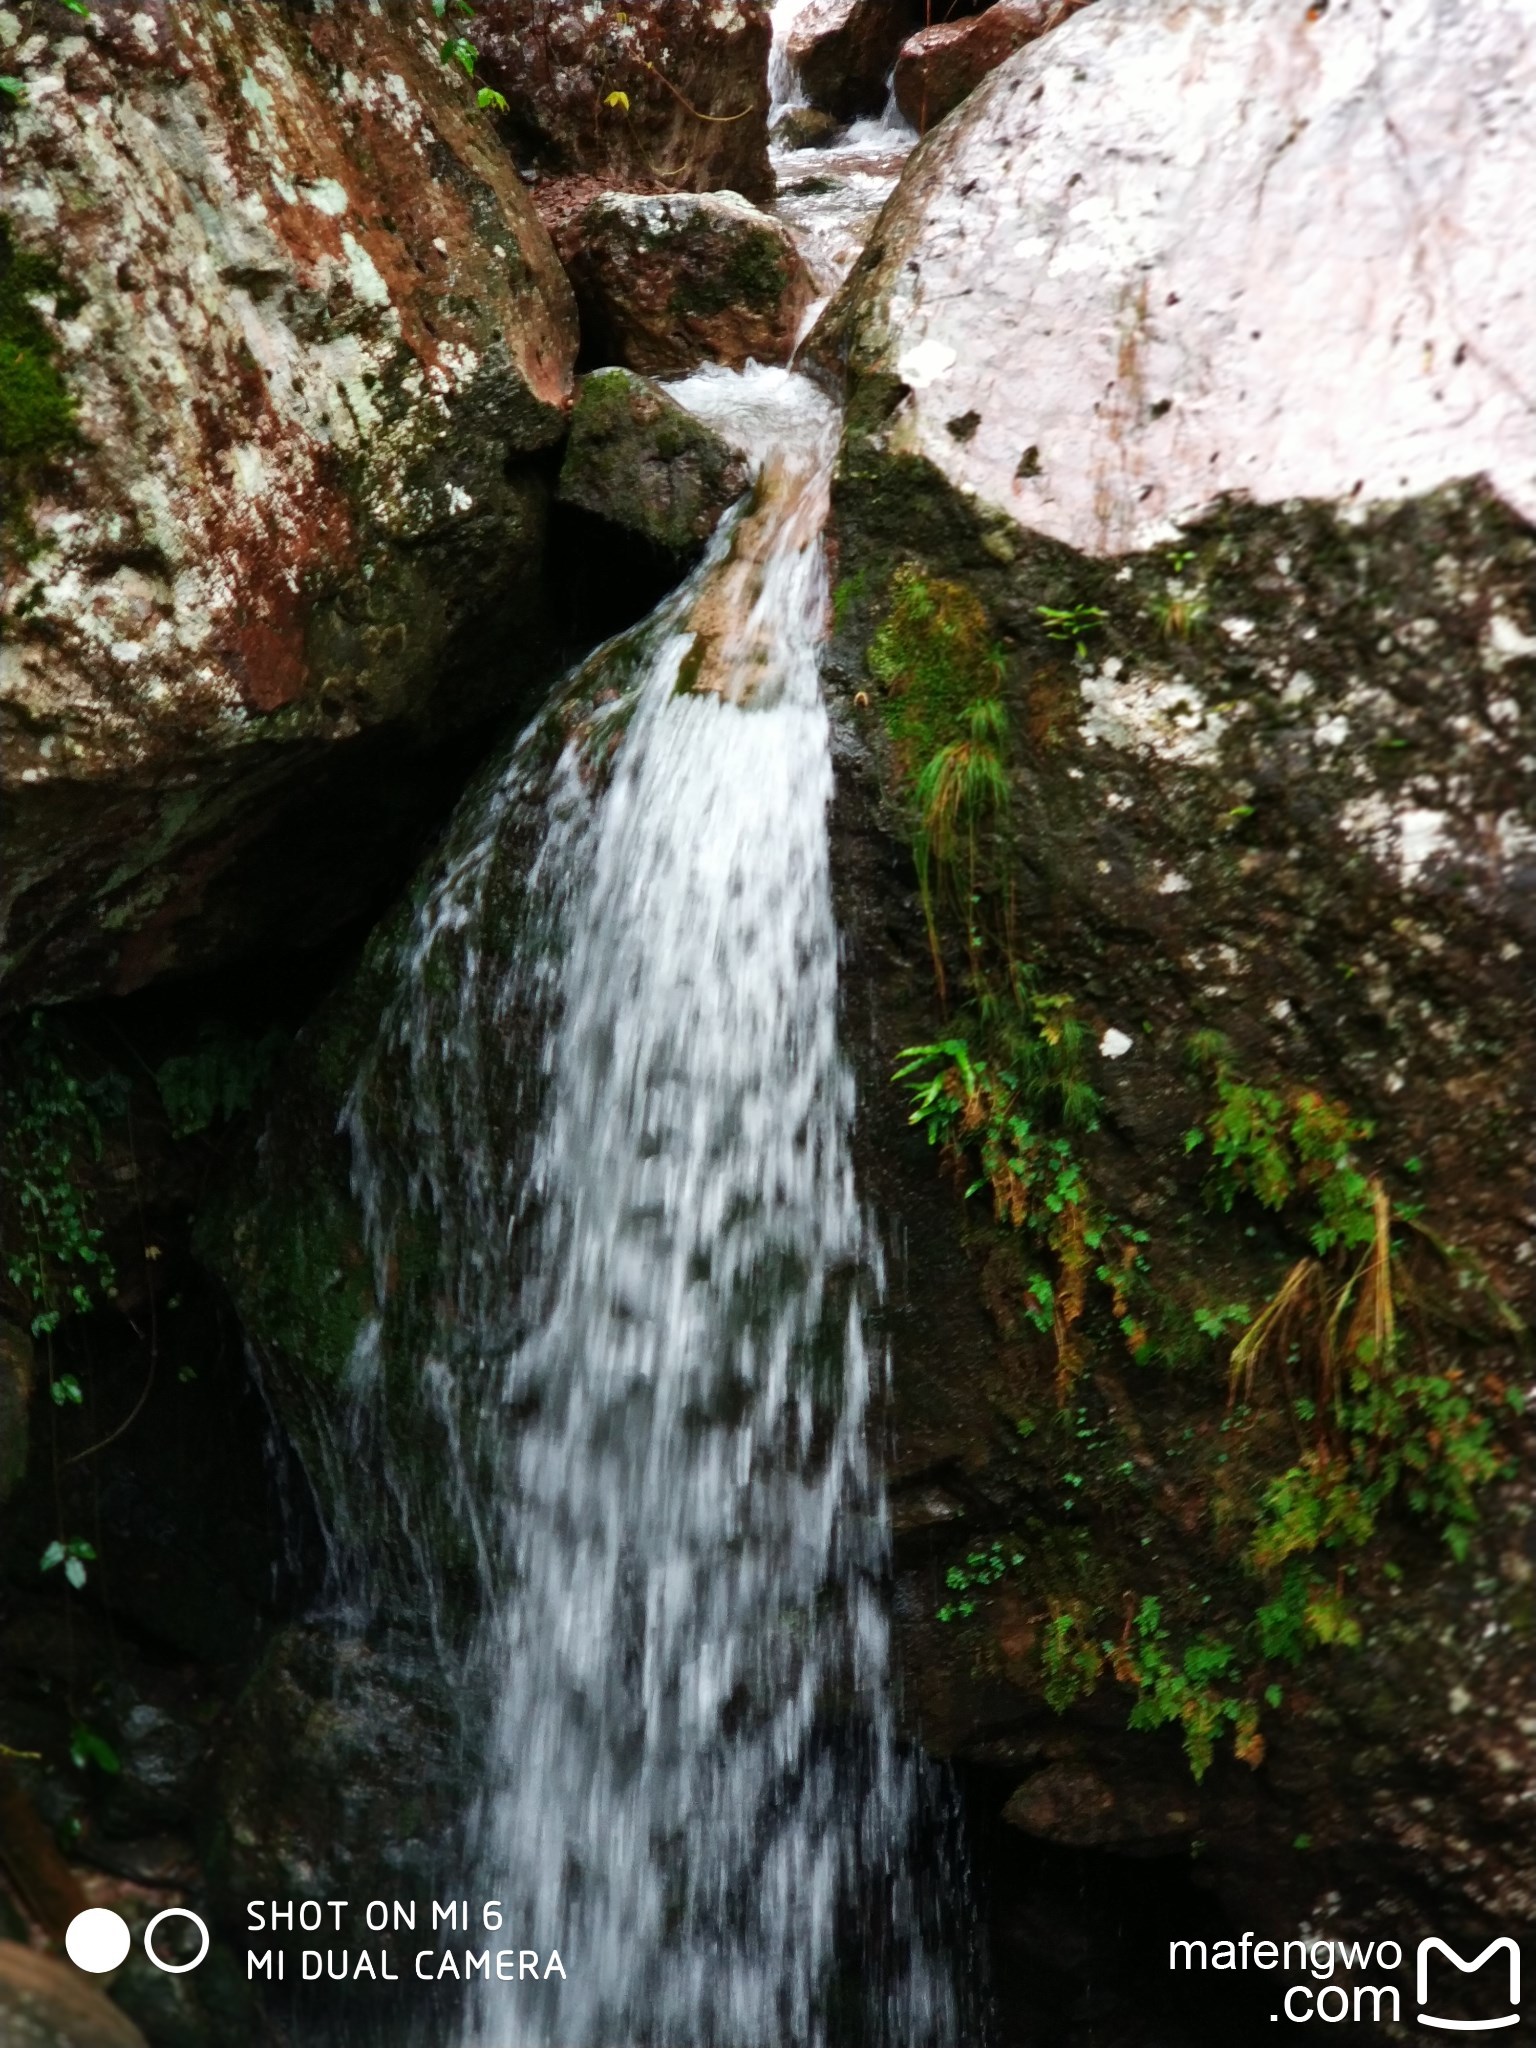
{"x": 608, "y": 1098}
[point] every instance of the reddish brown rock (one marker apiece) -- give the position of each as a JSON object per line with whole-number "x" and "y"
{"x": 842, "y": 51}
{"x": 668, "y": 283}
{"x": 302, "y": 327}
{"x": 660, "y": 93}
{"x": 942, "y": 65}
{"x": 44, "y": 2004}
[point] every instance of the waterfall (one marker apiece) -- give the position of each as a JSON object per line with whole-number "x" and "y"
{"x": 601, "y": 1144}
{"x": 651, "y": 1322}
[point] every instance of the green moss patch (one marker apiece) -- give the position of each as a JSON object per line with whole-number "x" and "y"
{"x": 37, "y": 408}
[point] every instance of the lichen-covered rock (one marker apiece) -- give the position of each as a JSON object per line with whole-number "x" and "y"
{"x": 1254, "y": 665}
{"x": 665, "y": 283}
{"x": 47, "y": 2004}
{"x": 943, "y": 64}
{"x": 692, "y": 76}
{"x": 309, "y": 331}
{"x": 642, "y": 461}
{"x": 842, "y": 51}
{"x": 1203, "y": 307}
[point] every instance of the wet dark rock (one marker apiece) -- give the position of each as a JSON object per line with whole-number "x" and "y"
{"x": 843, "y": 50}
{"x": 1272, "y": 785}
{"x": 212, "y": 2006}
{"x": 665, "y": 284}
{"x": 338, "y": 1773}
{"x": 639, "y": 460}
{"x": 1071, "y": 1803}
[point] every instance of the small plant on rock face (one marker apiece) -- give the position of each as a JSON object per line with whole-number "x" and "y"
{"x": 219, "y": 1080}
{"x": 982, "y": 1568}
{"x": 461, "y": 51}
{"x": 1178, "y": 613}
{"x": 1070, "y": 1662}
{"x": 1392, "y": 1417}
{"x": 1197, "y": 1689}
{"x": 54, "y": 1255}
{"x": 73, "y": 1553}
{"x": 1073, "y": 622}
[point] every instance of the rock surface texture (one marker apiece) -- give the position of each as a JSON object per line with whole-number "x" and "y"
{"x": 309, "y": 332}
{"x": 665, "y": 283}
{"x": 842, "y": 51}
{"x": 942, "y": 65}
{"x": 1319, "y": 303}
{"x": 639, "y": 460}
{"x": 693, "y": 75}
{"x": 44, "y": 2004}
{"x": 1190, "y": 433}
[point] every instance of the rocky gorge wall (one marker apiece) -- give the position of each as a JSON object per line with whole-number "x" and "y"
{"x": 1182, "y": 662}
{"x": 1184, "y": 647}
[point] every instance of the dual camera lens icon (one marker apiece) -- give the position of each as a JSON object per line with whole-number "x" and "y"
{"x": 98, "y": 1940}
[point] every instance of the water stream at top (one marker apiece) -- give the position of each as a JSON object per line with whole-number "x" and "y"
{"x": 609, "y": 1095}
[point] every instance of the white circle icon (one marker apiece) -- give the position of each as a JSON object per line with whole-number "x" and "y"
{"x": 175, "y": 1913}
{"x": 97, "y": 1940}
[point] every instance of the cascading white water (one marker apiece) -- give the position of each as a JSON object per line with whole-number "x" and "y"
{"x": 608, "y": 1094}
{"x": 692, "y": 1785}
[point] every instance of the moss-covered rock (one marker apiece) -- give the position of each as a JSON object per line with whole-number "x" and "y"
{"x": 666, "y": 283}
{"x": 639, "y": 460}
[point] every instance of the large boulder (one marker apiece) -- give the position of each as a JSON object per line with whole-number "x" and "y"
{"x": 44, "y": 2004}
{"x": 1202, "y": 307}
{"x": 663, "y": 92}
{"x": 841, "y": 51}
{"x": 668, "y": 283}
{"x": 295, "y": 339}
{"x": 1185, "y": 512}
{"x": 642, "y": 461}
{"x": 944, "y": 63}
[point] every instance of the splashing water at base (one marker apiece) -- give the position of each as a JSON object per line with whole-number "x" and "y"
{"x": 652, "y": 1314}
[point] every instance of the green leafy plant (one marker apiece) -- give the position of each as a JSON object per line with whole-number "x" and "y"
{"x": 1178, "y": 613}
{"x": 74, "y": 1554}
{"x": 934, "y": 658}
{"x": 982, "y": 1568}
{"x": 86, "y": 1748}
{"x": 1069, "y": 1659}
{"x": 54, "y": 1259}
{"x": 1198, "y": 1688}
{"x": 1072, "y": 622}
{"x": 1015, "y": 1114}
{"x": 219, "y": 1080}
